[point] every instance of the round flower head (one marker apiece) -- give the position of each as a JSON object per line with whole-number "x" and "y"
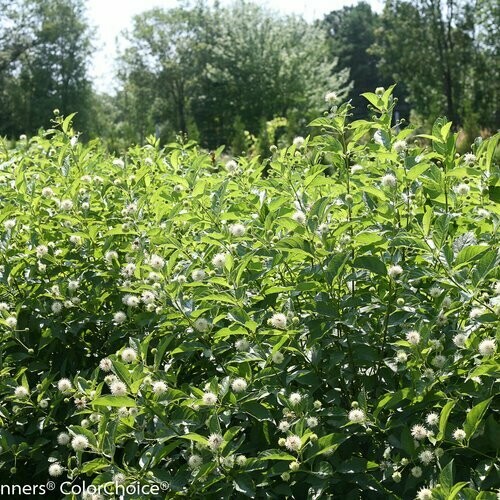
{"x": 469, "y": 158}
{"x": 459, "y": 339}
{"x": 432, "y": 418}
{"x": 239, "y": 385}
{"x": 118, "y": 388}
{"x": 426, "y": 457}
{"x": 56, "y": 307}
{"x": 9, "y": 224}
{"x": 400, "y": 146}
{"x": 231, "y": 166}
{"x": 294, "y": 466}
{"x": 11, "y": 321}
{"x": 159, "y": 387}
{"x": 413, "y": 337}
{"x": 435, "y": 292}
{"x": 424, "y": 494}
{"x": 66, "y": 205}
{"x": 439, "y": 361}
{"x": 394, "y": 271}
{"x": 21, "y": 392}
{"x": 131, "y": 300}
{"x": 201, "y": 325}
{"x": 462, "y": 189}
{"x": 105, "y": 364}
{"x": 299, "y": 217}
{"x": 195, "y": 462}
{"x": 284, "y": 426}
{"x": 47, "y": 192}
{"x": 219, "y": 260}
{"x": 293, "y": 442}
{"x": 41, "y": 250}
{"x": 119, "y": 317}
{"x": 416, "y": 471}
{"x": 237, "y": 229}
{"x": 401, "y": 357}
{"x": 79, "y": 442}
{"x": 129, "y": 355}
{"x": 312, "y": 422}
{"x": 63, "y": 438}
{"x": 55, "y": 469}
{"x": 156, "y": 262}
{"x": 242, "y": 345}
{"x": 148, "y": 297}
{"x": 277, "y": 357}
{"x": 298, "y": 142}
{"x": 295, "y": 398}
{"x": 389, "y": 181}
{"x": 356, "y": 416}
{"x": 215, "y": 441}
{"x": 198, "y": 275}
{"x": 356, "y": 168}
{"x": 209, "y": 398}
{"x": 487, "y": 347}
{"x": 419, "y": 432}
{"x": 110, "y": 256}
{"x": 64, "y": 385}
{"x": 331, "y": 97}
{"x": 278, "y": 320}
{"x": 459, "y": 434}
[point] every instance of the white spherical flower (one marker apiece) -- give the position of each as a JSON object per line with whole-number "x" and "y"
{"x": 459, "y": 434}
{"x": 487, "y": 347}
{"x": 294, "y": 466}
{"x": 462, "y": 189}
{"x": 55, "y": 469}
{"x": 118, "y": 162}
{"x": 357, "y": 416}
{"x": 469, "y": 158}
{"x": 426, "y": 457}
{"x": 66, "y": 205}
{"x": 432, "y": 418}
{"x": 400, "y": 146}
{"x": 201, "y": 325}
{"x": 198, "y": 275}
{"x": 209, "y": 398}
{"x": 4, "y": 306}
{"x": 219, "y": 260}
{"x": 293, "y": 442}
{"x": 277, "y": 357}
{"x": 129, "y": 270}
{"x": 284, "y": 426}
{"x": 424, "y": 494}
{"x": 47, "y": 192}
{"x": 278, "y": 320}
{"x": 439, "y": 361}
{"x": 298, "y": 141}
{"x": 11, "y": 321}
{"x": 435, "y": 292}
{"x": 148, "y": 297}
{"x": 459, "y": 339}
{"x": 41, "y": 250}
{"x": 159, "y": 387}
{"x": 237, "y": 229}
{"x": 79, "y": 442}
{"x": 394, "y": 271}
{"x": 118, "y": 478}
{"x": 63, "y": 438}
{"x": 419, "y": 432}
{"x": 413, "y": 337}
{"x": 118, "y": 388}
{"x": 131, "y": 300}
{"x": 119, "y": 317}
{"x": 73, "y": 285}
{"x": 331, "y": 97}
{"x": 129, "y": 355}
{"x": 21, "y": 392}
{"x": 44, "y": 403}
{"x": 389, "y": 181}
{"x": 9, "y": 224}
{"x": 215, "y": 441}
{"x": 299, "y": 217}
{"x": 295, "y": 398}
{"x": 156, "y": 262}
{"x": 241, "y": 460}
{"x": 56, "y": 307}
{"x": 105, "y": 364}
{"x": 428, "y": 373}
{"x": 416, "y": 471}
{"x": 356, "y": 168}
{"x": 312, "y": 422}
{"x": 396, "y": 477}
{"x": 242, "y": 345}
{"x": 195, "y": 462}
{"x": 64, "y": 385}
{"x": 239, "y": 385}
{"x": 401, "y": 357}
{"x": 123, "y": 412}
{"x": 231, "y": 166}
{"x": 110, "y": 255}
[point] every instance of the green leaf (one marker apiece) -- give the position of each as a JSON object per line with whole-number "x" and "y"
{"x": 373, "y": 264}
{"x": 192, "y": 436}
{"x": 417, "y": 171}
{"x": 474, "y": 417}
{"x": 115, "y": 401}
{"x": 443, "y": 419}
{"x": 446, "y": 477}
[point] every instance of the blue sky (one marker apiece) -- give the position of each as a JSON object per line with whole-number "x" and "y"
{"x": 110, "y": 17}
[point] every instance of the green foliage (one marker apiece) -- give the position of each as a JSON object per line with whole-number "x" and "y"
{"x": 321, "y": 322}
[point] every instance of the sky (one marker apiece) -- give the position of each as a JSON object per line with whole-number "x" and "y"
{"x": 111, "y": 17}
